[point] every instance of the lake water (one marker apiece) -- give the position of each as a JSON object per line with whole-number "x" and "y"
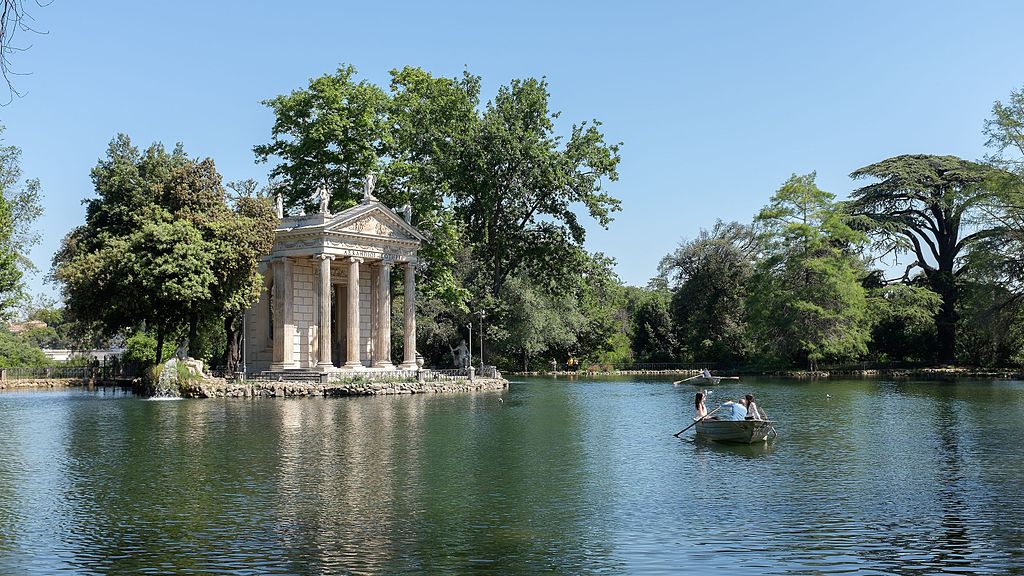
{"x": 551, "y": 476}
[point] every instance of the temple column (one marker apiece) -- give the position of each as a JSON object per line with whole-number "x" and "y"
{"x": 340, "y": 310}
{"x": 409, "y": 362}
{"x": 352, "y": 322}
{"x": 382, "y": 327}
{"x": 283, "y": 315}
{"x": 324, "y": 328}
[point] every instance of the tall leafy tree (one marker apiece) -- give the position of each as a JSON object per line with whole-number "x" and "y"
{"x": 496, "y": 188}
{"x": 19, "y": 209}
{"x": 807, "y": 302}
{"x": 538, "y": 322}
{"x": 933, "y": 208}
{"x": 331, "y": 134}
{"x": 338, "y": 130}
{"x": 161, "y": 246}
{"x": 902, "y": 319}
{"x": 651, "y": 326}
{"x": 710, "y": 277}
{"x": 519, "y": 204}
{"x": 999, "y": 258}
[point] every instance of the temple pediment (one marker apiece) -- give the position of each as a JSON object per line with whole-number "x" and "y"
{"x": 368, "y": 230}
{"x": 373, "y": 220}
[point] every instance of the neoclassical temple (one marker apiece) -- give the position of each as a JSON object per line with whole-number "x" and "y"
{"x": 326, "y": 303}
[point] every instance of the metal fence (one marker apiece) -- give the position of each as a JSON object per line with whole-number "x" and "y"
{"x": 44, "y": 373}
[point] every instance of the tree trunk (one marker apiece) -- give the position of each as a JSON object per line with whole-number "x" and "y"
{"x": 159, "y": 343}
{"x": 233, "y": 352}
{"x": 193, "y": 335}
{"x": 944, "y": 284}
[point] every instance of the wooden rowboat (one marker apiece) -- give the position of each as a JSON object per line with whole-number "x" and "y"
{"x": 742, "y": 431}
{"x": 702, "y": 380}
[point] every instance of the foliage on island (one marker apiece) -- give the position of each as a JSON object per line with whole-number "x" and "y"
{"x": 163, "y": 250}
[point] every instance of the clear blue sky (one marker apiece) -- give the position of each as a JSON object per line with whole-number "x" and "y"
{"x": 717, "y": 102}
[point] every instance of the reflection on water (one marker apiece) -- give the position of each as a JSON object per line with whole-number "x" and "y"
{"x": 580, "y": 476}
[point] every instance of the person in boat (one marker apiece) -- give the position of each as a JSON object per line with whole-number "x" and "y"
{"x": 698, "y": 406}
{"x": 704, "y": 373}
{"x": 752, "y": 412}
{"x": 736, "y": 410}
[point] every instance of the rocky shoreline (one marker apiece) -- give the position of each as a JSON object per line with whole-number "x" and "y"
{"x": 42, "y": 383}
{"x": 219, "y": 388}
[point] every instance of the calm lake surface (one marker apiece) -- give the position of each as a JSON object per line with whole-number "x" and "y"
{"x": 551, "y": 476}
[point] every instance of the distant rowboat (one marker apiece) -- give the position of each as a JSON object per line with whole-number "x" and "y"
{"x": 743, "y": 431}
{"x": 702, "y": 380}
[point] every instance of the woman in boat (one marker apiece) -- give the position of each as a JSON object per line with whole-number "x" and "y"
{"x": 699, "y": 407}
{"x": 752, "y": 412}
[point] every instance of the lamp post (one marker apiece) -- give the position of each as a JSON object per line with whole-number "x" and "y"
{"x": 470, "y": 326}
{"x": 481, "y": 313}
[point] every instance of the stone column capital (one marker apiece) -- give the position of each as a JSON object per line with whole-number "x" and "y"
{"x": 323, "y": 256}
{"x": 355, "y": 260}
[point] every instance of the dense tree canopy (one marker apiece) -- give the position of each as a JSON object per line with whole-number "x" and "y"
{"x": 808, "y": 303}
{"x": 161, "y": 246}
{"x": 710, "y": 276}
{"x": 931, "y": 207}
{"x": 497, "y": 190}
{"x": 19, "y": 209}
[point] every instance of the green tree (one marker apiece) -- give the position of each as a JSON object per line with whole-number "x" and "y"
{"x": 19, "y": 209}
{"x": 519, "y": 207}
{"x": 495, "y": 187}
{"x": 992, "y": 326}
{"x": 998, "y": 259}
{"x": 331, "y": 134}
{"x": 710, "y": 277}
{"x": 934, "y": 208}
{"x": 16, "y": 352}
{"x": 652, "y": 337}
{"x": 1005, "y": 133}
{"x": 338, "y": 130}
{"x": 538, "y": 322}
{"x": 903, "y": 319}
{"x": 807, "y": 303}
{"x": 161, "y": 247}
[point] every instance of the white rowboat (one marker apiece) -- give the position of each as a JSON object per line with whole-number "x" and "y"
{"x": 742, "y": 431}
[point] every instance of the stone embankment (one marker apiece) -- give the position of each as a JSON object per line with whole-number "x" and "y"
{"x": 41, "y": 383}
{"x": 218, "y": 388}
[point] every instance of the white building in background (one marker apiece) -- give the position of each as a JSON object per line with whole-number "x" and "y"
{"x": 63, "y": 354}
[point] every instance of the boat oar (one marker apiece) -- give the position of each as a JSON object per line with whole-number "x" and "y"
{"x": 768, "y": 418}
{"x": 697, "y": 420}
{"x": 687, "y": 379}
